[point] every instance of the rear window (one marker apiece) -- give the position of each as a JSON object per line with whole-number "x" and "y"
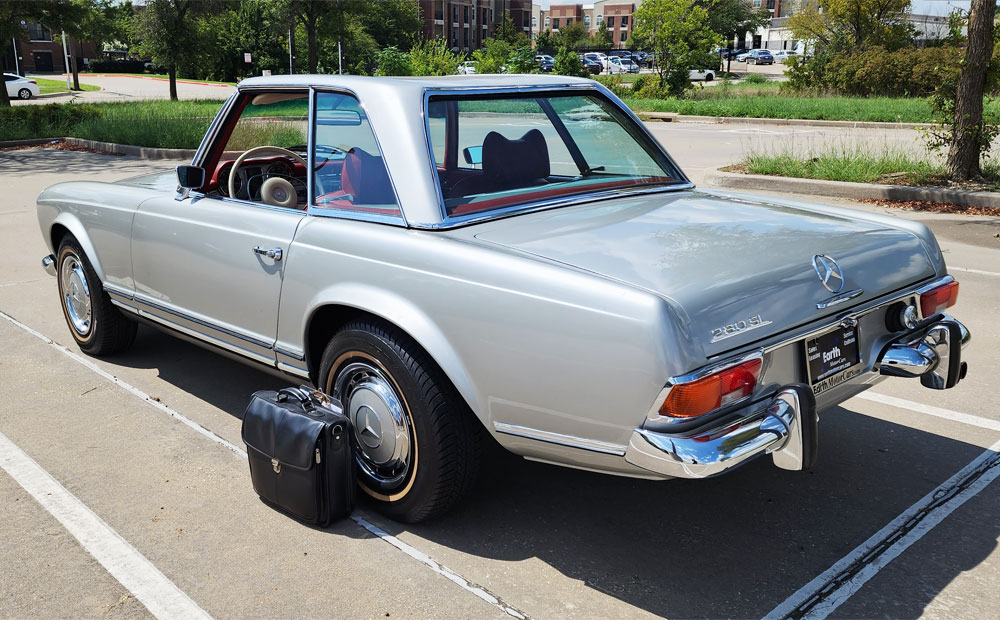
{"x": 497, "y": 151}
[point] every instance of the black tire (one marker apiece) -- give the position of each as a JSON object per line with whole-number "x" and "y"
{"x": 444, "y": 437}
{"x": 24, "y": 93}
{"x": 709, "y": 77}
{"x": 108, "y": 330}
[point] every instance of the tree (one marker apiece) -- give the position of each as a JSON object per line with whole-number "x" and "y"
{"x": 506, "y": 31}
{"x": 257, "y": 27}
{"x": 545, "y": 40}
{"x": 390, "y": 22}
{"x": 567, "y": 62}
{"x": 167, "y": 32}
{"x": 392, "y": 61}
{"x": 734, "y": 18}
{"x": 850, "y": 25}
{"x": 522, "y": 60}
{"x": 83, "y": 20}
{"x": 574, "y": 35}
{"x": 433, "y": 58}
{"x": 310, "y": 13}
{"x": 12, "y": 13}
{"x": 677, "y": 31}
{"x": 492, "y": 56}
{"x": 969, "y": 132}
{"x": 602, "y": 38}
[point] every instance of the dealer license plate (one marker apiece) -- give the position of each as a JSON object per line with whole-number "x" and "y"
{"x": 833, "y": 358}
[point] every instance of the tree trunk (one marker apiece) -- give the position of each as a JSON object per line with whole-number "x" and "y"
{"x": 172, "y": 74}
{"x": 966, "y": 130}
{"x": 4, "y": 98}
{"x": 76, "y": 70}
{"x": 311, "y": 44}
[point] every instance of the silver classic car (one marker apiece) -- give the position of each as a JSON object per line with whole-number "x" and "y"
{"x": 512, "y": 256}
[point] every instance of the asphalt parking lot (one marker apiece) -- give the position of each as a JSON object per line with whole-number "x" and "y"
{"x": 124, "y": 496}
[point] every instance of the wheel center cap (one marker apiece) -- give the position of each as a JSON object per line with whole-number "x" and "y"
{"x": 368, "y": 426}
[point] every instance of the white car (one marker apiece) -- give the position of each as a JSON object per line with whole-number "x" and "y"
{"x": 617, "y": 64}
{"x": 20, "y": 87}
{"x": 697, "y": 75}
{"x": 784, "y": 55}
{"x": 467, "y": 68}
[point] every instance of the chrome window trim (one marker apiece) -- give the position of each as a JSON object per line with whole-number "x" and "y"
{"x": 684, "y": 183}
{"x": 312, "y": 209}
{"x": 570, "y": 441}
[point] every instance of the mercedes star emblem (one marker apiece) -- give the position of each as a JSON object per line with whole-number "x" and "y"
{"x": 829, "y": 272}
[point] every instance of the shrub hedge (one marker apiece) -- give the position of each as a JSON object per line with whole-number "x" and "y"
{"x": 118, "y": 66}
{"x": 908, "y": 72}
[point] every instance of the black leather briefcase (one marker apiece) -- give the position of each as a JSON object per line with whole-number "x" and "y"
{"x": 298, "y": 444}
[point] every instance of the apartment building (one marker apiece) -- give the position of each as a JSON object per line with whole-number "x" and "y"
{"x": 617, "y": 14}
{"x": 37, "y": 51}
{"x": 465, "y": 24}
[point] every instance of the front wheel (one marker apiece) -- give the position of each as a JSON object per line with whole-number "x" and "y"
{"x": 97, "y": 326}
{"x": 24, "y": 93}
{"x": 415, "y": 442}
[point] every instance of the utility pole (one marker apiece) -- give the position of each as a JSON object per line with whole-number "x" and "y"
{"x": 69, "y": 84}
{"x": 291, "y": 48}
{"x": 17, "y": 65}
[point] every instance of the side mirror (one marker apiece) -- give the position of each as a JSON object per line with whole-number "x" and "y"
{"x": 190, "y": 177}
{"x": 473, "y": 155}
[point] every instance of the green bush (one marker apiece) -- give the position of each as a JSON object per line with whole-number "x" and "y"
{"x": 392, "y": 61}
{"x": 615, "y": 84}
{"x": 755, "y": 78}
{"x": 909, "y": 72}
{"x": 568, "y": 63}
{"x": 117, "y": 66}
{"x": 433, "y": 57}
{"x": 641, "y": 81}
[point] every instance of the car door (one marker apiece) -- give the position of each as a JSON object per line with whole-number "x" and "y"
{"x": 211, "y": 264}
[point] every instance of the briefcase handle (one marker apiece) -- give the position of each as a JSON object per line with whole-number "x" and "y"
{"x": 309, "y": 397}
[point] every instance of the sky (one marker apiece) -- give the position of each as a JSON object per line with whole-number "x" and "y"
{"x": 920, "y": 7}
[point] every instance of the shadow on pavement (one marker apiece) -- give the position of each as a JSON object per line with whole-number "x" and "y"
{"x": 58, "y": 162}
{"x": 733, "y": 546}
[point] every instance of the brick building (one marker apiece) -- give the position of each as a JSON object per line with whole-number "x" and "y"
{"x": 38, "y": 51}
{"x": 617, "y": 14}
{"x": 464, "y": 24}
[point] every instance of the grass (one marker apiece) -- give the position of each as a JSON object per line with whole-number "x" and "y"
{"x": 163, "y": 76}
{"x": 59, "y": 86}
{"x": 857, "y": 163}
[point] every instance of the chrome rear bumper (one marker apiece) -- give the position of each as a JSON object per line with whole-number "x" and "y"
{"x": 786, "y": 428}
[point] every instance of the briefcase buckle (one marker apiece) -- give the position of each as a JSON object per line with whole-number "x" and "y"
{"x": 276, "y": 466}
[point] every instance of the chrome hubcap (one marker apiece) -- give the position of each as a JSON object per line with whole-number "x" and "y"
{"x": 76, "y": 294}
{"x": 382, "y": 431}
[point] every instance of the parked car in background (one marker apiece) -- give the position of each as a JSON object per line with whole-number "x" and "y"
{"x": 760, "y": 57}
{"x": 467, "y": 68}
{"x": 547, "y": 62}
{"x": 446, "y": 271}
{"x": 20, "y": 87}
{"x": 593, "y": 65}
{"x": 734, "y": 54}
{"x": 784, "y": 55}
{"x": 617, "y": 64}
{"x": 706, "y": 75}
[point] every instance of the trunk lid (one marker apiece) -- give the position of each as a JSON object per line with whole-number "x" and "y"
{"x": 721, "y": 260}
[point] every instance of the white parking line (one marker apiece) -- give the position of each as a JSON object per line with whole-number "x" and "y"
{"x": 413, "y": 552}
{"x": 824, "y": 594}
{"x": 979, "y": 271}
{"x": 152, "y": 588}
{"x": 938, "y": 412}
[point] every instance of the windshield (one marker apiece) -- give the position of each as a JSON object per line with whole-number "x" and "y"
{"x": 497, "y": 151}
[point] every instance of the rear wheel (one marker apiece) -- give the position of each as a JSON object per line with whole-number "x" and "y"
{"x": 415, "y": 441}
{"x": 24, "y": 93}
{"x": 97, "y": 326}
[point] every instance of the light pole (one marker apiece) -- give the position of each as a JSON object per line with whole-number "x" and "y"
{"x": 69, "y": 84}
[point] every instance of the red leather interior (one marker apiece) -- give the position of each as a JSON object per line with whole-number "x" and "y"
{"x": 364, "y": 183}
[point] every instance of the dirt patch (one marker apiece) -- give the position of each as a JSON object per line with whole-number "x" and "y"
{"x": 933, "y": 207}
{"x": 59, "y": 145}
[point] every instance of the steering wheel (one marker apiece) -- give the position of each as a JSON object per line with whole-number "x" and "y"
{"x": 275, "y": 191}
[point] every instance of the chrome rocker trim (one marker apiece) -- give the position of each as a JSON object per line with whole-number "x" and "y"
{"x": 787, "y": 427}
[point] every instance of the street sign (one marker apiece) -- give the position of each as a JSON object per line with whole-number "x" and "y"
{"x": 246, "y": 57}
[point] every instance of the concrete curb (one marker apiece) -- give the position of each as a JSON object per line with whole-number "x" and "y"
{"x": 142, "y": 152}
{"x": 841, "y": 189}
{"x": 684, "y": 118}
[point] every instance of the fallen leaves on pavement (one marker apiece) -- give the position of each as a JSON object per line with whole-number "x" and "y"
{"x": 933, "y": 207}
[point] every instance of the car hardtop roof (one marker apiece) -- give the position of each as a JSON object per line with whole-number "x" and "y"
{"x": 362, "y": 85}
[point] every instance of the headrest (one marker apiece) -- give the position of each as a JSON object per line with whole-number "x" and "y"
{"x": 513, "y": 163}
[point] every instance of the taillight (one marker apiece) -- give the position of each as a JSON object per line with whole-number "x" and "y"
{"x": 688, "y": 400}
{"x": 937, "y": 299}
{"x": 33, "y": 82}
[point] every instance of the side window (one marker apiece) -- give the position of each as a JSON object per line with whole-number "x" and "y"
{"x": 264, "y": 159}
{"x": 349, "y": 173}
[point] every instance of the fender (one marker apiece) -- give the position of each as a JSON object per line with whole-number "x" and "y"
{"x": 75, "y": 226}
{"x": 403, "y": 313}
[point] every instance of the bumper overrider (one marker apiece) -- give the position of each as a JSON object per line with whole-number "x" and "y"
{"x": 786, "y": 426}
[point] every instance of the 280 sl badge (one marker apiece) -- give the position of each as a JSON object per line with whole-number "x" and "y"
{"x": 737, "y": 328}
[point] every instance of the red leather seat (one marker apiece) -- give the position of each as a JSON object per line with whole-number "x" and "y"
{"x": 364, "y": 181}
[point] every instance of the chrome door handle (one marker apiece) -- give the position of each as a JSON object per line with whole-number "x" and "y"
{"x": 275, "y": 253}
